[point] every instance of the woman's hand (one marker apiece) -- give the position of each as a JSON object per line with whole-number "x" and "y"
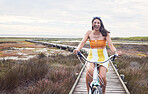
{"x": 119, "y": 53}
{"x": 75, "y": 51}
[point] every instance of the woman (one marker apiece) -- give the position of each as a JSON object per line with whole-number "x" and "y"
{"x": 97, "y": 38}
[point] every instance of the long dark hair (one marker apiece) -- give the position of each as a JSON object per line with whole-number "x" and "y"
{"x": 102, "y": 28}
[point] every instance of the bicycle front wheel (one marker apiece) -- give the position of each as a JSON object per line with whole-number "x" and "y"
{"x": 96, "y": 90}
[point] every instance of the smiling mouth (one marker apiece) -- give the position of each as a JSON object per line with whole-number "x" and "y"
{"x": 96, "y": 26}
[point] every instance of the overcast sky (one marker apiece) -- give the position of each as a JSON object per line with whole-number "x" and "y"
{"x": 123, "y": 18}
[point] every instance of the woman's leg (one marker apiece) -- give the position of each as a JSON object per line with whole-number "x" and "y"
{"x": 90, "y": 67}
{"x": 102, "y": 72}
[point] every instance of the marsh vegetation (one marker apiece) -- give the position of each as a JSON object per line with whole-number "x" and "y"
{"x": 55, "y": 72}
{"x": 44, "y": 75}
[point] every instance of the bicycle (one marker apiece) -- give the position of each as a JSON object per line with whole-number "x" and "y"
{"x": 95, "y": 87}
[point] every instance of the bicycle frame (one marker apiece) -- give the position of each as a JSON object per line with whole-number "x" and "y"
{"x": 96, "y": 80}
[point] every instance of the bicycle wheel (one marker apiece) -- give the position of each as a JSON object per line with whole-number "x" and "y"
{"x": 96, "y": 90}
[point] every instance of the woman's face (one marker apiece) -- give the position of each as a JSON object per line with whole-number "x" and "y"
{"x": 96, "y": 24}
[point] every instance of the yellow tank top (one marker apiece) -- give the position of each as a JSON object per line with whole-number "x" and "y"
{"x": 97, "y": 43}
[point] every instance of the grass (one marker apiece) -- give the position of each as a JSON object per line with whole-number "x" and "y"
{"x": 39, "y": 75}
{"x": 139, "y": 48}
{"x": 136, "y": 73}
{"x": 15, "y": 38}
{"x": 131, "y": 38}
{"x": 19, "y": 74}
{"x": 56, "y": 82}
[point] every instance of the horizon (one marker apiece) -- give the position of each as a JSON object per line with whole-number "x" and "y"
{"x": 52, "y": 36}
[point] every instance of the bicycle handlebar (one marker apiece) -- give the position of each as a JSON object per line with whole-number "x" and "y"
{"x": 83, "y": 57}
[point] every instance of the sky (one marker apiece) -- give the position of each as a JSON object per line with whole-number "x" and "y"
{"x": 72, "y": 18}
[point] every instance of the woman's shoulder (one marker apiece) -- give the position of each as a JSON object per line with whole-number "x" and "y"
{"x": 89, "y": 31}
{"x": 87, "y": 34}
{"x": 108, "y": 35}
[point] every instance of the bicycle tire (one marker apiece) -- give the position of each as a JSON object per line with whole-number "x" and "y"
{"x": 96, "y": 90}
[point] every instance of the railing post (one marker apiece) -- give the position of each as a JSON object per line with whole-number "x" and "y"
{"x": 122, "y": 76}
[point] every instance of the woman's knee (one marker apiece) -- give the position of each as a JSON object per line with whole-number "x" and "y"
{"x": 89, "y": 72}
{"x": 103, "y": 77}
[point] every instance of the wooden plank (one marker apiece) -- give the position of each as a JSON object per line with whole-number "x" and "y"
{"x": 113, "y": 84}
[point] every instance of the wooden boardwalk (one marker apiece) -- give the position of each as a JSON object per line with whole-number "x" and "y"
{"x": 115, "y": 85}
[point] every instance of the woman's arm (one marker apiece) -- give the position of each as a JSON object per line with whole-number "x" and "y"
{"x": 110, "y": 44}
{"x": 80, "y": 46}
